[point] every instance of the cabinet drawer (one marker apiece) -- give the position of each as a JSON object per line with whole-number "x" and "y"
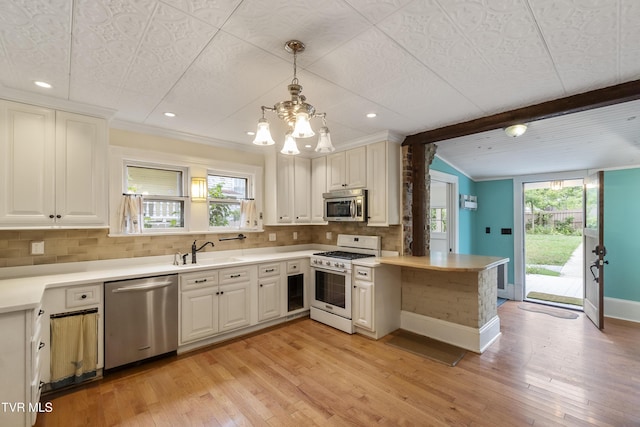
{"x": 82, "y": 296}
{"x": 267, "y": 270}
{"x": 234, "y": 275}
{"x": 294, "y": 266}
{"x": 198, "y": 280}
{"x": 362, "y": 273}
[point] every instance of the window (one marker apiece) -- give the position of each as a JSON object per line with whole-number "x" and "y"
{"x": 162, "y": 191}
{"x": 226, "y": 194}
{"x": 439, "y": 220}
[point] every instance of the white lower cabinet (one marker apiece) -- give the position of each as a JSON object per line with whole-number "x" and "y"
{"x": 376, "y": 300}
{"x": 363, "y": 305}
{"x": 20, "y": 367}
{"x": 269, "y": 296}
{"x": 214, "y": 301}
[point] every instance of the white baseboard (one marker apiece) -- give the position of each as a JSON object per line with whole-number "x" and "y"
{"x": 472, "y": 339}
{"x": 622, "y": 309}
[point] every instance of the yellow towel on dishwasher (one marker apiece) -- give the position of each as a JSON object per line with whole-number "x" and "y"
{"x": 74, "y": 349}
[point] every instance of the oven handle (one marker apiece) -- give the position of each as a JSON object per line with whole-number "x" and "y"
{"x": 352, "y": 208}
{"x": 329, "y": 270}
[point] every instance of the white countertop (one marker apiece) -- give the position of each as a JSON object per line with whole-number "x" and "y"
{"x": 22, "y": 288}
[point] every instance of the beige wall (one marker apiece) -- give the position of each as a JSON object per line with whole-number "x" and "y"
{"x": 95, "y": 244}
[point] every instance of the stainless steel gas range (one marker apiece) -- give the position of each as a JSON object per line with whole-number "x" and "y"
{"x": 331, "y": 279}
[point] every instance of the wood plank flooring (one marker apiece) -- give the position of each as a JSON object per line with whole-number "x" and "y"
{"x": 542, "y": 371}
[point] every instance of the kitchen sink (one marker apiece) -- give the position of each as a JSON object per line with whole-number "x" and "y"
{"x": 212, "y": 261}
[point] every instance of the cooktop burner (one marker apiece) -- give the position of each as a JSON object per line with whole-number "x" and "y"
{"x": 343, "y": 255}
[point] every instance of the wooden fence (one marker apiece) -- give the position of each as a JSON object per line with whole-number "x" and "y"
{"x": 553, "y": 219}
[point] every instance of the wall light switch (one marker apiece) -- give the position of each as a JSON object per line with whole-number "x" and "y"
{"x": 37, "y": 248}
{"x": 295, "y": 235}
{"x": 329, "y": 235}
{"x": 272, "y": 237}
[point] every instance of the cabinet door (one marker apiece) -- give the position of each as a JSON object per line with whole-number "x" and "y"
{"x": 318, "y": 186}
{"x": 336, "y": 179}
{"x": 377, "y": 179}
{"x": 81, "y": 153}
{"x": 284, "y": 189}
{"x": 363, "y": 305}
{"x": 234, "y": 306}
{"x": 268, "y": 298}
{"x": 199, "y": 314}
{"x": 302, "y": 189}
{"x": 356, "y": 167}
{"x": 27, "y": 152}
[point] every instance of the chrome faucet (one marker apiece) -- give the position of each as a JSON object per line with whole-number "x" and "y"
{"x": 195, "y": 249}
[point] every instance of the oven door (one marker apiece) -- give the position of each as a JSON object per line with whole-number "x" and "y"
{"x": 332, "y": 291}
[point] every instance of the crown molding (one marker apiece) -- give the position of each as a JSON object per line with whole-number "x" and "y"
{"x": 47, "y": 101}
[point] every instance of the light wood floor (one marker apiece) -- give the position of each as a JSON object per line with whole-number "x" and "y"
{"x": 542, "y": 371}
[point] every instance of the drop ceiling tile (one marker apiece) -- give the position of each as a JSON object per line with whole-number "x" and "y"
{"x": 582, "y": 38}
{"x": 34, "y": 38}
{"x": 170, "y": 44}
{"x": 376, "y": 11}
{"x": 213, "y": 12}
{"x": 321, "y": 26}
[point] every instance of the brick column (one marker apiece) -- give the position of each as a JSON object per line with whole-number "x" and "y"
{"x": 417, "y": 187}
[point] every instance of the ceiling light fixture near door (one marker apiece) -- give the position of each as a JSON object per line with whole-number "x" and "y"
{"x": 42, "y": 84}
{"x": 516, "y": 130}
{"x": 296, "y": 113}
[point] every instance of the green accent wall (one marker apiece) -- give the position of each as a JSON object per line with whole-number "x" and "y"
{"x": 495, "y": 210}
{"x": 622, "y": 234}
{"x": 466, "y": 219}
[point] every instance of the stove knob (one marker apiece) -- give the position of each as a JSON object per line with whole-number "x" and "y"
{"x": 315, "y": 261}
{"x": 341, "y": 265}
{"x": 327, "y": 263}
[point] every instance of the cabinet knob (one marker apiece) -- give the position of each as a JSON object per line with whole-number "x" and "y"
{"x": 51, "y": 216}
{"x": 84, "y": 296}
{"x": 41, "y": 345}
{"x": 41, "y": 312}
{"x": 58, "y": 216}
{"x": 261, "y": 285}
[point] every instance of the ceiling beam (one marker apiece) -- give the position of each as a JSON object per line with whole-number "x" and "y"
{"x": 611, "y": 95}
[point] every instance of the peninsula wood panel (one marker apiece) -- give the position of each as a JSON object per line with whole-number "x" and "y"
{"x": 538, "y": 372}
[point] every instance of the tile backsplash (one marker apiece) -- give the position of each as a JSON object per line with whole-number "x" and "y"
{"x": 95, "y": 244}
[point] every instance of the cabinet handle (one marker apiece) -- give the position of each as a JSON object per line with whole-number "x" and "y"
{"x": 201, "y": 281}
{"x": 40, "y": 385}
{"x": 84, "y": 296}
{"x": 41, "y": 346}
{"x": 270, "y": 270}
{"x": 217, "y": 293}
{"x": 362, "y": 273}
{"x": 235, "y": 276}
{"x": 221, "y": 292}
{"x": 355, "y": 287}
{"x": 261, "y": 285}
{"x": 41, "y": 312}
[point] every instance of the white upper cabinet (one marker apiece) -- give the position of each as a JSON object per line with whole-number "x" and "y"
{"x": 383, "y": 178}
{"x": 318, "y": 186}
{"x": 53, "y": 168}
{"x": 347, "y": 169}
{"x": 289, "y": 202}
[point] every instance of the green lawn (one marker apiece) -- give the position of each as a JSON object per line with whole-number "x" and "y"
{"x": 549, "y": 249}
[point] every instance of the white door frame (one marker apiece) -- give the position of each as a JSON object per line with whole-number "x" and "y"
{"x": 453, "y": 208}
{"x": 518, "y": 220}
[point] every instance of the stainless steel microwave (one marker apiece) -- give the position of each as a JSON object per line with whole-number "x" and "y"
{"x": 345, "y": 205}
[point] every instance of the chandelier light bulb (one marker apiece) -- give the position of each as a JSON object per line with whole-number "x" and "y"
{"x": 263, "y": 135}
{"x": 324, "y": 142}
{"x": 290, "y": 147}
{"x": 303, "y": 126}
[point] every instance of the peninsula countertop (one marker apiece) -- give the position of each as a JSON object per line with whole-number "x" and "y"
{"x": 446, "y": 262}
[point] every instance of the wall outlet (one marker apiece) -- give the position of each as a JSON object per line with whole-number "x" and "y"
{"x": 272, "y": 237}
{"x": 37, "y": 248}
{"x": 329, "y": 235}
{"x": 295, "y": 235}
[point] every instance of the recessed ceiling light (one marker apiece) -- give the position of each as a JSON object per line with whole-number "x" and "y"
{"x": 170, "y": 114}
{"x": 250, "y": 133}
{"x": 42, "y": 84}
{"x": 307, "y": 146}
{"x": 371, "y": 115}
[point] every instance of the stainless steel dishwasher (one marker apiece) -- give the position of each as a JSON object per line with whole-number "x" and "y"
{"x": 140, "y": 319}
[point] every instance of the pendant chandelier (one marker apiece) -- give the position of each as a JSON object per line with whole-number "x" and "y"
{"x": 296, "y": 113}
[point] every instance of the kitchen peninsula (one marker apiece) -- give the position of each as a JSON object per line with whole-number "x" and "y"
{"x": 451, "y": 297}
